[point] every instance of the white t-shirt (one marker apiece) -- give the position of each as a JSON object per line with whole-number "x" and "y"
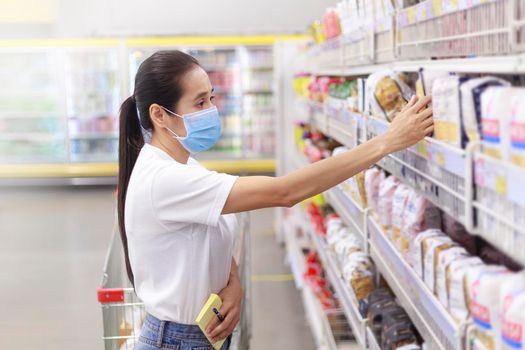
{"x": 180, "y": 246}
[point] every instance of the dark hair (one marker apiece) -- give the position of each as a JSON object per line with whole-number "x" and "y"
{"x": 158, "y": 80}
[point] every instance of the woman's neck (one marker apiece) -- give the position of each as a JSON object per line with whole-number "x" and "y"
{"x": 172, "y": 147}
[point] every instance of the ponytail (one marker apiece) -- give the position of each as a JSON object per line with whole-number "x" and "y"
{"x": 131, "y": 141}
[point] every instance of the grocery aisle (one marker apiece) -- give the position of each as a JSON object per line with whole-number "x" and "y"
{"x": 54, "y": 242}
{"x": 279, "y": 318}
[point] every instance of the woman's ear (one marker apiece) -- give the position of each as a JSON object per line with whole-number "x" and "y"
{"x": 157, "y": 115}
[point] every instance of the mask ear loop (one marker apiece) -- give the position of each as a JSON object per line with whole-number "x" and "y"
{"x": 173, "y": 132}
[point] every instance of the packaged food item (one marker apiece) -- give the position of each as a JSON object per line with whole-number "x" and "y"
{"x": 459, "y": 234}
{"x": 418, "y": 249}
{"x": 470, "y": 93}
{"x": 360, "y": 180}
{"x": 398, "y": 208}
{"x": 484, "y": 289}
{"x": 373, "y": 178}
{"x": 419, "y": 215}
{"x": 426, "y": 80}
{"x": 357, "y": 189}
{"x": 434, "y": 246}
{"x": 386, "y": 194}
{"x": 446, "y": 109}
{"x": 457, "y": 287}
{"x": 398, "y": 335}
{"x": 388, "y": 94}
{"x": 376, "y": 312}
{"x": 331, "y": 25}
{"x": 359, "y": 272}
{"x": 512, "y": 304}
{"x": 517, "y": 128}
{"x": 445, "y": 259}
{"x": 496, "y": 113}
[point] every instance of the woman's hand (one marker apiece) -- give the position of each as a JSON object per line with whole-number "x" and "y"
{"x": 231, "y": 297}
{"x": 411, "y": 125}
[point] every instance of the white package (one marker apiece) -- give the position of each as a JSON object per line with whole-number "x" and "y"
{"x": 416, "y": 249}
{"x": 484, "y": 289}
{"x": 457, "y": 297}
{"x": 445, "y": 259}
{"x": 386, "y": 193}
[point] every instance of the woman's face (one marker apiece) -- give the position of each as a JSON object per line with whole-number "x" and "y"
{"x": 198, "y": 95}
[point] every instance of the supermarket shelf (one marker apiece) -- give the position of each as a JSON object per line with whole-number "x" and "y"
{"x": 435, "y": 169}
{"x": 294, "y": 254}
{"x": 94, "y": 136}
{"x": 500, "y": 205}
{"x": 349, "y": 210}
{"x": 257, "y": 91}
{"x": 344, "y": 293}
{"x": 431, "y": 319}
{"x": 371, "y": 340}
{"x": 111, "y": 169}
{"x": 33, "y": 137}
{"x": 318, "y": 321}
{"x": 511, "y": 64}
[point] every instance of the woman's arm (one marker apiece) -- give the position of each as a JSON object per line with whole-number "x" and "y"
{"x": 255, "y": 192}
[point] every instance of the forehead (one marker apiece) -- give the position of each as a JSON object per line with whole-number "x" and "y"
{"x": 195, "y": 82}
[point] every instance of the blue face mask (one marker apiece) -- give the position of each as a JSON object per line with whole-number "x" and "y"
{"x": 203, "y": 129}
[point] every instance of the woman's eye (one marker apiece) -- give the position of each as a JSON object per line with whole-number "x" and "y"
{"x": 212, "y": 98}
{"x": 201, "y": 104}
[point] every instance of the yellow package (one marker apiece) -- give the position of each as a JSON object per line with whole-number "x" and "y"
{"x": 207, "y": 314}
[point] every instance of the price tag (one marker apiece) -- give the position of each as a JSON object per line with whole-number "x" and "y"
{"x": 421, "y": 13}
{"x": 501, "y": 184}
{"x": 422, "y": 149}
{"x": 437, "y": 7}
{"x": 440, "y": 159}
{"x": 411, "y": 11}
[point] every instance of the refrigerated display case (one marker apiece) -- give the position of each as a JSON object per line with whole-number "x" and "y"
{"x": 59, "y": 102}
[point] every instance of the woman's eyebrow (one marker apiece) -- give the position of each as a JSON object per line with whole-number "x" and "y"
{"x": 204, "y": 94}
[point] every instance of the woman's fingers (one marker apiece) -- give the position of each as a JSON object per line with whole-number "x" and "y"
{"x": 411, "y": 102}
{"x": 420, "y": 104}
{"x": 212, "y": 325}
{"x": 429, "y": 130}
{"x": 425, "y": 113}
{"x": 225, "y": 328}
{"x": 427, "y": 122}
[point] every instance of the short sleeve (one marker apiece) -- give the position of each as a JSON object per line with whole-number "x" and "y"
{"x": 190, "y": 194}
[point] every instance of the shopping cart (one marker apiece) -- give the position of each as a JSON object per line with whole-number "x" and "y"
{"x": 123, "y": 313}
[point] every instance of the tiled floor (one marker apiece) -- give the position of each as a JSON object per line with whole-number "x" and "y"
{"x": 53, "y": 243}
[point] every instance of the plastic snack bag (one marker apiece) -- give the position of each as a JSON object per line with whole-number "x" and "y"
{"x": 471, "y": 92}
{"x": 517, "y": 128}
{"x": 388, "y": 94}
{"x": 512, "y": 304}
{"x": 496, "y": 114}
{"x": 484, "y": 290}
{"x": 373, "y": 178}
{"x": 457, "y": 286}
{"x": 399, "y": 202}
{"x": 386, "y": 194}
{"x": 446, "y": 109}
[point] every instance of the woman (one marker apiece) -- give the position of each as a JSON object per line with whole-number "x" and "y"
{"x": 175, "y": 216}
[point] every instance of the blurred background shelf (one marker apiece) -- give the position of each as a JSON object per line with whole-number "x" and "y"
{"x": 64, "y": 106}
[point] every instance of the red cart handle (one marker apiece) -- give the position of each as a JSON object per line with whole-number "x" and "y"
{"x": 110, "y": 295}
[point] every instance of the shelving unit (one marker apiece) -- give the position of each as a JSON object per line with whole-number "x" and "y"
{"x": 71, "y": 90}
{"x": 484, "y": 194}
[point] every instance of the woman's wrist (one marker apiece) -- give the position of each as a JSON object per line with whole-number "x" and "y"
{"x": 385, "y": 143}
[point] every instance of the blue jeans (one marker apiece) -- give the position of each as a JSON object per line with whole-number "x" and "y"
{"x": 157, "y": 334}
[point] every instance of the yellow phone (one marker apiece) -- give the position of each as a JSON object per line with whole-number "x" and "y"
{"x": 207, "y": 314}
